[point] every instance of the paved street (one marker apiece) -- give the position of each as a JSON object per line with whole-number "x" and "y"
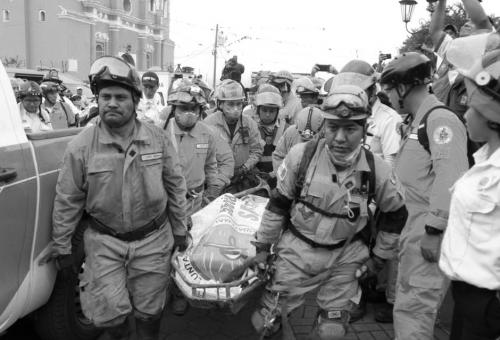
{"x": 210, "y": 324}
{"x": 200, "y": 324}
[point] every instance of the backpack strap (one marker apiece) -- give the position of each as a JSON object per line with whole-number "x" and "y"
{"x": 309, "y": 151}
{"x": 423, "y": 138}
{"x": 368, "y": 179}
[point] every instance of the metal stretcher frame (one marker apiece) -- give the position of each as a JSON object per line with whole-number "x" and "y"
{"x": 249, "y": 283}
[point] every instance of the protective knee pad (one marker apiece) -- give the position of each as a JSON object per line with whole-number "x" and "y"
{"x": 332, "y": 325}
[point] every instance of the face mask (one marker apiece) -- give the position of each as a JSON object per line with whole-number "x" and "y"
{"x": 186, "y": 119}
{"x": 232, "y": 115}
{"x": 347, "y": 160}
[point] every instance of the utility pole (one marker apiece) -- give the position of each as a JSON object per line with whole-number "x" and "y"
{"x": 215, "y": 54}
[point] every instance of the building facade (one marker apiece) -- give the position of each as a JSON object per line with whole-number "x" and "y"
{"x": 70, "y": 34}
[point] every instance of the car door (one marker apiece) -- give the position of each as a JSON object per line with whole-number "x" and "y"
{"x": 18, "y": 194}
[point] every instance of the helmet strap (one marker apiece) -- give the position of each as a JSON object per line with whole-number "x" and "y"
{"x": 404, "y": 95}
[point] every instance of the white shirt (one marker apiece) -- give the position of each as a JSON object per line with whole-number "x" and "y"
{"x": 470, "y": 251}
{"x": 32, "y": 122}
{"x": 149, "y": 109}
{"x": 383, "y": 126}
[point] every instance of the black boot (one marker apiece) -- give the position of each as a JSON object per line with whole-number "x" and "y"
{"x": 120, "y": 332}
{"x": 383, "y": 313}
{"x": 148, "y": 329}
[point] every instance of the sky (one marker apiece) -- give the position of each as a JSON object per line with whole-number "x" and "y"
{"x": 290, "y": 34}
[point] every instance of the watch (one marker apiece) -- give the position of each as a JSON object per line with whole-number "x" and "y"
{"x": 432, "y": 231}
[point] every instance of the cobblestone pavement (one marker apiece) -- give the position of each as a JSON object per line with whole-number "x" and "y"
{"x": 210, "y": 324}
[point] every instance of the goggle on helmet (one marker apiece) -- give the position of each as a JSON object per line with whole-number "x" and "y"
{"x": 346, "y": 102}
{"x": 187, "y": 93}
{"x": 111, "y": 69}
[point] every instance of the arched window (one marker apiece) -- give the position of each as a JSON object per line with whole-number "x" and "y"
{"x": 99, "y": 50}
{"x": 127, "y": 7}
{"x": 5, "y": 15}
{"x": 42, "y": 16}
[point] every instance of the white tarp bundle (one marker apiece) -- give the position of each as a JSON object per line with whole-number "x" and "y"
{"x": 221, "y": 233}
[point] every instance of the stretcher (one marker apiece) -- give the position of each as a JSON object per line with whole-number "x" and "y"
{"x": 214, "y": 271}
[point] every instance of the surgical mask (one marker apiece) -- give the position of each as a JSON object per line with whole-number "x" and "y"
{"x": 186, "y": 119}
{"x": 347, "y": 160}
{"x": 232, "y": 115}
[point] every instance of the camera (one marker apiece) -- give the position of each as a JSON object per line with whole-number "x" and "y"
{"x": 323, "y": 67}
{"x": 384, "y": 56}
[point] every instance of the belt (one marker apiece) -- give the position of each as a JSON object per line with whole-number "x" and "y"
{"x": 315, "y": 244}
{"x": 130, "y": 236}
{"x": 195, "y": 192}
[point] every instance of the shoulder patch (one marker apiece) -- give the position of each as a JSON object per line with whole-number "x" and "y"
{"x": 282, "y": 171}
{"x": 442, "y": 135}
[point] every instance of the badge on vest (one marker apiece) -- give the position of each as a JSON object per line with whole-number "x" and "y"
{"x": 151, "y": 156}
{"x": 202, "y": 146}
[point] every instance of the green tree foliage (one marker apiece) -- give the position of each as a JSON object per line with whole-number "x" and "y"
{"x": 455, "y": 15}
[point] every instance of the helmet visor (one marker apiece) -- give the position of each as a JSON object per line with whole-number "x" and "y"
{"x": 302, "y": 89}
{"x": 464, "y": 53}
{"x": 110, "y": 68}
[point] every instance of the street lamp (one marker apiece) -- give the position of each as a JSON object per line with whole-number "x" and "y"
{"x": 407, "y": 7}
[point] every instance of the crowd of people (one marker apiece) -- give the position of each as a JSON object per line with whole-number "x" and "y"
{"x": 367, "y": 173}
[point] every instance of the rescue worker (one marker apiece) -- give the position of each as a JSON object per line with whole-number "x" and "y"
{"x": 307, "y": 92}
{"x": 251, "y": 109}
{"x": 268, "y": 102}
{"x": 383, "y": 138}
{"x": 84, "y": 101}
{"x": 127, "y": 177}
{"x": 52, "y": 76}
{"x": 427, "y": 176}
{"x": 321, "y": 244}
{"x": 240, "y": 132}
{"x": 196, "y": 146}
{"x": 61, "y": 115}
{"x": 283, "y": 81}
{"x": 470, "y": 252}
{"x": 150, "y": 105}
{"x": 34, "y": 118}
{"x": 309, "y": 123}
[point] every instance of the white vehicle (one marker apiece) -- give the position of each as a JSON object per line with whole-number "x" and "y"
{"x": 28, "y": 174}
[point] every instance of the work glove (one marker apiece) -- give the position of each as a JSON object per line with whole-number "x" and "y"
{"x": 211, "y": 193}
{"x": 61, "y": 261}
{"x": 241, "y": 171}
{"x": 370, "y": 268}
{"x": 180, "y": 242}
{"x": 430, "y": 246}
{"x": 262, "y": 250}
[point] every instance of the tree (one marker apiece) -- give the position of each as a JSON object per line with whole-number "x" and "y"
{"x": 455, "y": 15}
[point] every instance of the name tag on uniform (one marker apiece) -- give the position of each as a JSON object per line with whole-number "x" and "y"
{"x": 202, "y": 146}
{"x": 151, "y": 156}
